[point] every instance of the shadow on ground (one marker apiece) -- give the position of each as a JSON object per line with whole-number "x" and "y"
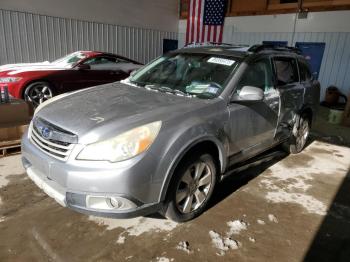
{"x": 237, "y": 180}
{"x": 332, "y": 241}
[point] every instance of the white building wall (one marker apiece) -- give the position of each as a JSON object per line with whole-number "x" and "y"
{"x": 154, "y": 14}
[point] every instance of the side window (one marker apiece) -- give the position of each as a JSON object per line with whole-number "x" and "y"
{"x": 120, "y": 60}
{"x": 305, "y": 74}
{"x": 258, "y": 74}
{"x": 101, "y": 63}
{"x": 286, "y": 70}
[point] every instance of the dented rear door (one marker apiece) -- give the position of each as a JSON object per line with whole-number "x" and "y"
{"x": 291, "y": 93}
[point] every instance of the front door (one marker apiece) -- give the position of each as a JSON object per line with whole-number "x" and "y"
{"x": 253, "y": 124}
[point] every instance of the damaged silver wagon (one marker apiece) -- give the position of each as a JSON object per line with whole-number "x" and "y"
{"x": 160, "y": 140}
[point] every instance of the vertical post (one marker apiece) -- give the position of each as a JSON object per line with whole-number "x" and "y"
{"x": 228, "y": 7}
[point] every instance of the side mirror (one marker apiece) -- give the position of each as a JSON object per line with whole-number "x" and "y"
{"x": 83, "y": 67}
{"x": 249, "y": 93}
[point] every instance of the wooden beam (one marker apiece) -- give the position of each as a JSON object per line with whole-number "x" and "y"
{"x": 293, "y": 6}
{"x": 272, "y": 8}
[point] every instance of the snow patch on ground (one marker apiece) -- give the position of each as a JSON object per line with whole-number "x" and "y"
{"x": 121, "y": 239}
{"x": 236, "y": 226}
{"x": 184, "y": 246}
{"x": 260, "y": 222}
{"x": 2, "y": 219}
{"x": 311, "y": 204}
{"x": 164, "y": 259}
{"x": 295, "y": 179}
{"x": 273, "y": 218}
{"x": 223, "y": 244}
{"x": 252, "y": 239}
{"x": 291, "y": 184}
{"x": 136, "y": 226}
{"x": 328, "y": 162}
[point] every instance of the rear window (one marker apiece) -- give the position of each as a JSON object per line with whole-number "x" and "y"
{"x": 286, "y": 70}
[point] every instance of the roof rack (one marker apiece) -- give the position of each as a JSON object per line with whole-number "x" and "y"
{"x": 196, "y": 44}
{"x": 264, "y": 47}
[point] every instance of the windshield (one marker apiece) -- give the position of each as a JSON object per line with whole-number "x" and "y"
{"x": 201, "y": 75}
{"x": 70, "y": 60}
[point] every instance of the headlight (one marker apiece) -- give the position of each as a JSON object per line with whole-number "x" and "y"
{"x": 5, "y": 80}
{"x": 124, "y": 146}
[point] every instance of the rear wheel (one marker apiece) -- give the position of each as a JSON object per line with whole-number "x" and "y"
{"x": 38, "y": 92}
{"x": 192, "y": 187}
{"x": 299, "y": 136}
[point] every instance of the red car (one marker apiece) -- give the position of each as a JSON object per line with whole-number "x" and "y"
{"x": 38, "y": 82}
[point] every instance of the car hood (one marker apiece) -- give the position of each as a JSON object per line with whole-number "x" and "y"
{"x": 104, "y": 111}
{"x": 14, "y": 69}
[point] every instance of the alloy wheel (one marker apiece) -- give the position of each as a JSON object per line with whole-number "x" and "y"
{"x": 194, "y": 187}
{"x": 38, "y": 93}
{"x": 302, "y": 134}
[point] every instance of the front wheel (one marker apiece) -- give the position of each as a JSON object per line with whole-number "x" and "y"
{"x": 191, "y": 188}
{"x": 299, "y": 136}
{"x": 38, "y": 92}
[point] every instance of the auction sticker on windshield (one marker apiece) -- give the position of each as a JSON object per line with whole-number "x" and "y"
{"x": 199, "y": 88}
{"x": 221, "y": 61}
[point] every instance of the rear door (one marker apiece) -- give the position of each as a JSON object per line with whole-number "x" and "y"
{"x": 291, "y": 91}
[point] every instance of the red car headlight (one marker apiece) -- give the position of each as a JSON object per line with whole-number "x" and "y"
{"x": 6, "y": 80}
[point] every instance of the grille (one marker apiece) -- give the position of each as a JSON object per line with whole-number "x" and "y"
{"x": 57, "y": 148}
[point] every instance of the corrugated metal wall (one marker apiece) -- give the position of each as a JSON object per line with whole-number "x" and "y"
{"x": 28, "y": 37}
{"x": 335, "y": 68}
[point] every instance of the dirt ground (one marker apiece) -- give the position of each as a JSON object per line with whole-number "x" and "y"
{"x": 291, "y": 208}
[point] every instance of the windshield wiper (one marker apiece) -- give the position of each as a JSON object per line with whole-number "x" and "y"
{"x": 167, "y": 90}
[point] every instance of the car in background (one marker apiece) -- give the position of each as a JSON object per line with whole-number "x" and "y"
{"x": 37, "y": 82}
{"x": 160, "y": 140}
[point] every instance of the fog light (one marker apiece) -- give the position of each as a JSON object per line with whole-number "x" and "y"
{"x": 109, "y": 203}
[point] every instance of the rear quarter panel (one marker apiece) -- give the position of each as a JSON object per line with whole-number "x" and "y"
{"x": 312, "y": 96}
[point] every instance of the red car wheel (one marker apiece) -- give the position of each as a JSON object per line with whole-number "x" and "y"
{"x": 38, "y": 92}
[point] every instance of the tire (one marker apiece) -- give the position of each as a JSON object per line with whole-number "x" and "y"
{"x": 299, "y": 136}
{"x": 38, "y": 92}
{"x": 189, "y": 195}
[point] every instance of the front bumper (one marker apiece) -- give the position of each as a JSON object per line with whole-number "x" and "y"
{"x": 71, "y": 185}
{"x": 50, "y": 187}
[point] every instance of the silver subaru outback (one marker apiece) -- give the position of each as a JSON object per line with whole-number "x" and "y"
{"x": 162, "y": 139}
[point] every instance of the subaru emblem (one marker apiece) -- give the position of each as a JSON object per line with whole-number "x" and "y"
{"x": 46, "y": 132}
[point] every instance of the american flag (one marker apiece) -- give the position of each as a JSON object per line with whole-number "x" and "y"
{"x": 205, "y": 21}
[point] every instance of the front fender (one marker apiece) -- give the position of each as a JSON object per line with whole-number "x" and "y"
{"x": 186, "y": 141}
